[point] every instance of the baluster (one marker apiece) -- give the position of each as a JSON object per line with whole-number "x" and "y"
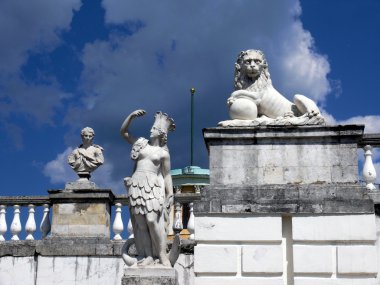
{"x": 16, "y": 223}
{"x": 177, "y": 225}
{"x": 130, "y": 229}
{"x": 369, "y": 171}
{"x": 190, "y": 224}
{"x": 30, "y": 226}
{"x": 118, "y": 226}
{"x": 3, "y": 222}
{"x": 45, "y": 225}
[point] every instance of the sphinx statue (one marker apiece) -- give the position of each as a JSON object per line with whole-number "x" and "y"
{"x": 256, "y": 102}
{"x": 150, "y": 192}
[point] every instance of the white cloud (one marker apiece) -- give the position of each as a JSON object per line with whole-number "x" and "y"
{"x": 372, "y": 123}
{"x": 37, "y": 101}
{"x": 103, "y": 178}
{"x": 28, "y": 28}
{"x": 301, "y": 63}
{"x": 31, "y": 26}
{"x": 58, "y": 169}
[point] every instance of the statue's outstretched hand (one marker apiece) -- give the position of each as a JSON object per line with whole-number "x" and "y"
{"x": 138, "y": 113}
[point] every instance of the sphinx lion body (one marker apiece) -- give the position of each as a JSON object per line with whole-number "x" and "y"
{"x": 253, "y": 83}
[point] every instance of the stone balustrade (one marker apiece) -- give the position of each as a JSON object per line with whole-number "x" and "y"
{"x": 183, "y": 213}
{"x": 18, "y": 214}
{"x": 368, "y": 143}
{"x": 12, "y": 222}
{"x": 19, "y": 204}
{"x": 182, "y": 201}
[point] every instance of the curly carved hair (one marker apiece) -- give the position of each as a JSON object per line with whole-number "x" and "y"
{"x": 87, "y": 130}
{"x": 163, "y": 137}
{"x": 241, "y": 80}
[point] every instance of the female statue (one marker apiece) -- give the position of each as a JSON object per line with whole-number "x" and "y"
{"x": 150, "y": 188}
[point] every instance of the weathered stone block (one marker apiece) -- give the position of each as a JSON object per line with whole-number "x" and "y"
{"x": 339, "y": 281}
{"x": 293, "y": 154}
{"x": 238, "y": 281}
{"x": 357, "y": 259}
{"x": 81, "y": 219}
{"x": 265, "y": 259}
{"x": 292, "y": 198}
{"x": 238, "y": 228}
{"x": 312, "y": 259}
{"x": 334, "y": 228}
{"x": 216, "y": 259}
{"x": 347, "y": 172}
{"x": 81, "y": 213}
{"x": 18, "y": 248}
{"x": 66, "y": 246}
{"x": 149, "y": 276}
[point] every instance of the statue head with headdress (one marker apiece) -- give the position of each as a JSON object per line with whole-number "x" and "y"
{"x": 161, "y": 126}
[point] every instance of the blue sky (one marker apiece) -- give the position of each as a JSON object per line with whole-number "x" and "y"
{"x": 70, "y": 64}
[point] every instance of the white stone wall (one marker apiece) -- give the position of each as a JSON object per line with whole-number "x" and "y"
{"x": 335, "y": 250}
{"x": 378, "y": 247}
{"x": 78, "y": 270}
{"x": 302, "y": 250}
{"x": 17, "y": 270}
{"x": 238, "y": 250}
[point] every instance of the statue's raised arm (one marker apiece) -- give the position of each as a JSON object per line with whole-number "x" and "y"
{"x": 124, "y": 127}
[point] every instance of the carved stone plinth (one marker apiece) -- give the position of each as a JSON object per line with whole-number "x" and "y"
{"x": 149, "y": 276}
{"x": 249, "y": 156}
{"x": 81, "y": 183}
{"x": 81, "y": 213}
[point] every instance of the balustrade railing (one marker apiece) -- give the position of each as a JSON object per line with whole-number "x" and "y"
{"x": 183, "y": 212}
{"x": 19, "y": 204}
{"x": 368, "y": 143}
{"x": 18, "y": 214}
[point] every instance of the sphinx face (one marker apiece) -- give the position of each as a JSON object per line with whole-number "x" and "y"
{"x": 252, "y": 65}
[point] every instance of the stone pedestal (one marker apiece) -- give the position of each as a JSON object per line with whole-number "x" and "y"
{"x": 284, "y": 206}
{"x": 81, "y": 213}
{"x": 283, "y": 155}
{"x": 149, "y": 276}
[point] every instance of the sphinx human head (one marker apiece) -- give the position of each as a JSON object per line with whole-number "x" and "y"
{"x": 161, "y": 126}
{"x": 250, "y": 66}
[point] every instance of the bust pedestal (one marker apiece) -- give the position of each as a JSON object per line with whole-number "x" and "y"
{"x": 81, "y": 213}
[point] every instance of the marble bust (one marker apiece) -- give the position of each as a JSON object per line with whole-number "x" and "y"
{"x": 88, "y": 156}
{"x": 256, "y": 102}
